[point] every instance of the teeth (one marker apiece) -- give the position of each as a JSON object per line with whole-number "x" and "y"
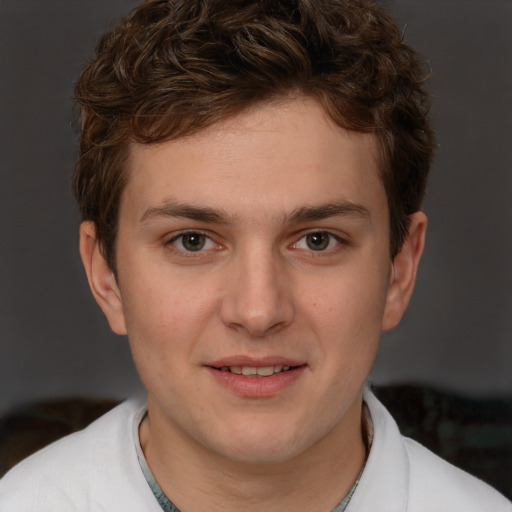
{"x": 260, "y": 371}
{"x": 265, "y": 371}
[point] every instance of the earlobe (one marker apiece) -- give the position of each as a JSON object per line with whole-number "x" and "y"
{"x": 403, "y": 272}
{"x": 101, "y": 278}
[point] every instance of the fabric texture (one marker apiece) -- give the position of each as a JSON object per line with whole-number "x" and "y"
{"x": 97, "y": 469}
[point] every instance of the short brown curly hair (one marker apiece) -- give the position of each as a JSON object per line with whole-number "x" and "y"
{"x": 173, "y": 67}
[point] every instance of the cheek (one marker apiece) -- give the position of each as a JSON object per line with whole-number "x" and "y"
{"x": 349, "y": 302}
{"x": 165, "y": 310}
{"x": 346, "y": 314}
{"x": 164, "y": 327}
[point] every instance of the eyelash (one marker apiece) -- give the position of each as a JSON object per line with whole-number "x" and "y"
{"x": 338, "y": 241}
{"x": 211, "y": 244}
{"x": 179, "y": 240}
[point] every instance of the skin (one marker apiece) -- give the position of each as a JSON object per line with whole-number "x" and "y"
{"x": 295, "y": 266}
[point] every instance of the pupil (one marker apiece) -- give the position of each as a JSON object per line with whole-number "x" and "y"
{"x": 317, "y": 241}
{"x": 193, "y": 241}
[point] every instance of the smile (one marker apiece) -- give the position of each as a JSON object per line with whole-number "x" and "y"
{"x": 256, "y": 377}
{"x": 246, "y": 379}
{"x": 258, "y": 371}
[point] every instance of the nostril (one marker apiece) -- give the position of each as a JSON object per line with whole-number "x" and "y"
{"x": 256, "y": 299}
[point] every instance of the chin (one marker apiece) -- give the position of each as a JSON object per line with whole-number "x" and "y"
{"x": 260, "y": 454}
{"x": 261, "y": 444}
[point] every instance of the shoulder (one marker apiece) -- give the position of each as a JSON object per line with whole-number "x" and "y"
{"x": 403, "y": 476}
{"x": 79, "y": 469}
{"x": 434, "y": 484}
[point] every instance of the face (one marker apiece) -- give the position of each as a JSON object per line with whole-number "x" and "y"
{"x": 254, "y": 280}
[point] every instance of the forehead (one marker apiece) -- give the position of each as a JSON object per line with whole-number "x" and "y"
{"x": 273, "y": 158}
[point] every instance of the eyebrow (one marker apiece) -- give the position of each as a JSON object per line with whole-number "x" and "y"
{"x": 324, "y": 211}
{"x": 171, "y": 209}
{"x": 218, "y": 216}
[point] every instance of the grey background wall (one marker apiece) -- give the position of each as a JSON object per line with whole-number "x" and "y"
{"x": 458, "y": 331}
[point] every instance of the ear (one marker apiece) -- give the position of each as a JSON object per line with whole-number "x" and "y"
{"x": 101, "y": 278}
{"x": 403, "y": 272}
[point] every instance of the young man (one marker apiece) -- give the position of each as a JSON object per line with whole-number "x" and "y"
{"x": 250, "y": 181}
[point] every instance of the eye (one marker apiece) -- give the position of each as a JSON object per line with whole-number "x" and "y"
{"x": 317, "y": 241}
{"x": 192, "y": 241}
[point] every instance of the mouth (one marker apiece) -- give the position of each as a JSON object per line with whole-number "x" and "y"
{"x": 251, "y": 378}
{"x": 256, "y": 371}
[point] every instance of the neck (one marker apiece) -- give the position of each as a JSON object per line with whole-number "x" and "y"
{"x": 194, "y": 478}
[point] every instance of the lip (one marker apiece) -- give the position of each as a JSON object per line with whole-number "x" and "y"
{"x": 241, "y": 360}
{"x": 255, "y": 386}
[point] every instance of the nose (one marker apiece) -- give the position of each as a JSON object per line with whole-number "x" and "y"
{"x": 257, "y": 297}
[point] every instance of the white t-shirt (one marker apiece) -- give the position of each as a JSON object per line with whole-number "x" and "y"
{"x": 97, "y": 469}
